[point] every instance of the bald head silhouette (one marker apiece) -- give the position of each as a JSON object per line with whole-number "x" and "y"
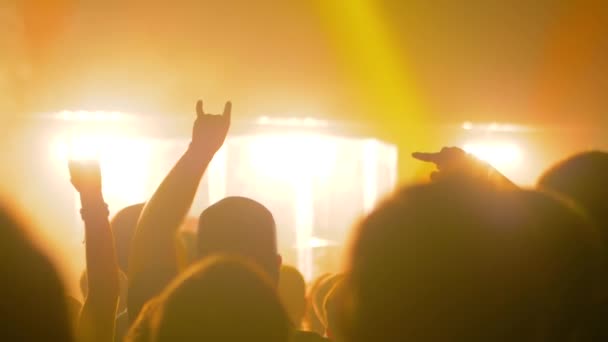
{"x": 240, "y": 226}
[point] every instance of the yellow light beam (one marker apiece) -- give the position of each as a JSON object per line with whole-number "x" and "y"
{"x": 366, "y": 46}
{"x": 373, "y": 59}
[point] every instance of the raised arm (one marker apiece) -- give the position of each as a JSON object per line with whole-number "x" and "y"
{"x": 98, "y": 313}
{"x": 153, "y": 260}
{"x": 453, "y": 162}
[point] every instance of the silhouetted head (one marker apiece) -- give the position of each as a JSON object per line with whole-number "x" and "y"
{"x": 123, "y": 225}
{"x": 457, "y": 262}
{"x": 292, "y": 291}
{"x": 221, "y": 299}
{"x": 34, "y": 304}
{"x": 240, "y": 226}
{"x": 584, "y": 179}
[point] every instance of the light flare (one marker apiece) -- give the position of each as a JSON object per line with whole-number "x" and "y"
{"x": 503, "y": 155}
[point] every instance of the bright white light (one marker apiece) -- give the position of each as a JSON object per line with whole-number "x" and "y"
{"x": 74, "y": 148}
{"x": 298, "y": 159}
{"x": 124, "y": 157}
{"x": 315, "y": 242}
{"x": 124, "y": 162}
{"x": 86, "y": 116}
{"x": 495, "y": 127}
{"x": 500, "y": 154}
{"x": 293, "y": 155}
{"x": 291, "y": 122}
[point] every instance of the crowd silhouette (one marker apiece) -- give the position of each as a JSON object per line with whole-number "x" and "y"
{"x": 468, "y": 256}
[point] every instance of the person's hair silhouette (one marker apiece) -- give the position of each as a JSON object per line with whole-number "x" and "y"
{"x": 221, "y": 299}
{"x": 34, "y": 307}
{"x": 584, "y": 179}
{"x": 460, "y": 262}
{"x": 292, "y": 291}
{"x": 123, "y": 226}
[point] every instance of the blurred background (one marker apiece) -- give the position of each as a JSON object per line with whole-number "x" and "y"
{"x": 520, "y": 84}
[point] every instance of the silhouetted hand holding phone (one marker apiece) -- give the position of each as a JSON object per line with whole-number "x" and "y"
{"x": 453, "y": 163}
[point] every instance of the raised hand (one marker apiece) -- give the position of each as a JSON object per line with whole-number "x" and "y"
{"x": 85, "y": 176}
{"x": 209, "y": 131}
{"x": 453, "y": 162}
{"x": 449, "y": 161}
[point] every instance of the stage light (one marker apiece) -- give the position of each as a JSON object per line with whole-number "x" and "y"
{"x": 90, "y": 116}
{"x": 315, "y": 182}
{"x": 494, "y": 127}
{"x": 291, "y": 122}
{"x": 292, "y": 155}
{"x": 299, "y": 174}
{"x": 503, "y": 155}
{"x": 123, "y": 161}
{"x": 124, "y": 157}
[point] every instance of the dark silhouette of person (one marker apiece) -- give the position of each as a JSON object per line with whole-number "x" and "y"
{"x": 221, "y": 299}
{"x": 241, "y": 226}
{"x": 583, "y": 178}
{"x": 463, "y": 261}
{"x": 292, "y": 291}
{"x": 123, "y": 226}
{"x": 34, "y": 307}
{"x": 250, "y": 233}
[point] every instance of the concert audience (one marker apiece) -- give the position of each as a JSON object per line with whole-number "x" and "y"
{"x": 468, "y": 257}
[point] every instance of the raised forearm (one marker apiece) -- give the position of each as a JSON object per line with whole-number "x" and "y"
{"x": 166, "y": 210}
{"x": 153, "y": 261}
{"x": 99, "y": 310}
{"x": 102, "y": 264}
